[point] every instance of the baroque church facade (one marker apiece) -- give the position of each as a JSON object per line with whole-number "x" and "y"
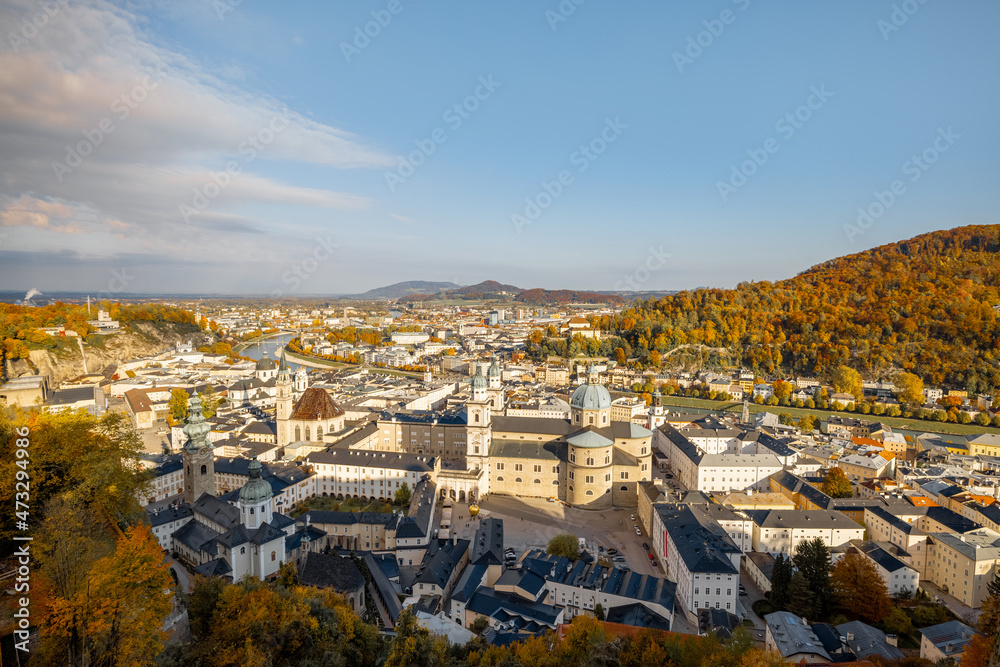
{"x": 588, "y": 460}
{"x": 239, "y": 533}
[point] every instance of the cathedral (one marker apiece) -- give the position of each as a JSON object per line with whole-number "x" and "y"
{"x": 262, "y": 389}
{"x": 312, "y": 416}
{"x": 588, "y": 460}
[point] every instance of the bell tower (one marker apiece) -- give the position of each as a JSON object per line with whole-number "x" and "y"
{"x": 283, "y": 401}
{"x": 477, "y": 419}
{"x": 197, "y": 456}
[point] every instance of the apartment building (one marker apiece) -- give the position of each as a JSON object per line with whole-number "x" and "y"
{"x": 376, "y": 475}
{"x": 699, "y": 555}
{"x": 779, "y": 531}
{"x": 963, "y": 565}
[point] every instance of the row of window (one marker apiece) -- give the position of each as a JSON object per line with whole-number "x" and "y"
{"x": 518, "y": 480}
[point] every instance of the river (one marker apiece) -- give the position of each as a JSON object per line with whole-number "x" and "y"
{"x": 272, "y": 346}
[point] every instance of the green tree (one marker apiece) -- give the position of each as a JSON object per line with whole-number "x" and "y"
{"x": 801, "y": 600}
{"x": 564, "y": 544}
{"x": 846, "y": 380}
{"x": 599, "y": 612}
{"x": 403, "y": 495}
{"x": 781, "y": 578}
{"x": 836, "y": 484}
{"x": 480, "y": 624}
{"x": 898, "y": 622}
{"x": 178, "y": 404}
{"x": 812, "y": 558}
{"x": 858, "y": 586}
{"x": 786, "y": 419}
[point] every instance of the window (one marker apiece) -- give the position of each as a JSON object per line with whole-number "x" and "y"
{"x": 696, "y": 590}
{"x": 555, "y": 470}
{"x": 243, "y": 550}
{"x": 642, "y": 451}
{"x": 555, "y": 481}
{"x": 518, "y": 467}
{"x": 590, "y": 461}
{"x": 518, "y": 480}
{"x": 476, "y": 418}
{"x": 204, "y": 470}
{"x": 624, "y": 488}
{"x": 319, "y": 432}
{"x": 589, "y": 492}
{"x": 272, "y": 556}
{"x": 500, "y": 466}
{"x": 538, "y": 468}
{"x": 589, "y": 479}
{"x": 607, "y": 477}
{"x": 624, "y": 475}
{"x": 607, "y": 460}
{"x": 591, "y": 419}
{"x": 729, "y": 591}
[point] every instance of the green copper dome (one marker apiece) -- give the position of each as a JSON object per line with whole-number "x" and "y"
{"x": 255, "y": 490}
{"x": 494, "y": 371}
{"x": 478, "y": 381}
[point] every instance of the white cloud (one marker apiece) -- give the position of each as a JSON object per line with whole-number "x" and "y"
{"x": 155, "y": 125}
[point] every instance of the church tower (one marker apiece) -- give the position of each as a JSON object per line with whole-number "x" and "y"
{"x": 255, "y": 498}
{"x": 301, "y": 381}
{"x": 283, "y": 401}
{"x": 477, "y": 419}
{"x": 197, "y": 456}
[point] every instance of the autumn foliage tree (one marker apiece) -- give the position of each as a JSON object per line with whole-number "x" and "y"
{"x": 837, "y": 485}
{"x": 115, "y": 615}
{"x": 923, "y": 306}
{"x": 859, "y": 587}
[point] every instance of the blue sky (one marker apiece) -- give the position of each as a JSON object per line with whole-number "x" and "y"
{"x": 323, "y": 206}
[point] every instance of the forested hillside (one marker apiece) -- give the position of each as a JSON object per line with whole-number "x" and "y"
{"x": 926, "y": 305}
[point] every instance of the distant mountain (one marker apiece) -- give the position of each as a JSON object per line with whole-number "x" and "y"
{"x": 399, "y": 290}
{"x": 492, "y": 290}
{"x": 487, "y": 288}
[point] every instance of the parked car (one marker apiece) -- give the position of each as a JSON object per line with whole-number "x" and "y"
{"x": 743, "y": 591}
{"x": 631, "y": 518}
{"x": 655, "y": 563}
{"x": 612, "y": 551}
{"x": 645, "y": 546}
{"x": 637, "y": 531}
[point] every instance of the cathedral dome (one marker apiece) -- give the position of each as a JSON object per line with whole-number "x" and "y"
{"x": 266, "y": 363}
{"x": 494, "y": 371}
{"x": 256, "y": 490}
{"x": 478, "y": 381}
{"x": 591, "y": 397}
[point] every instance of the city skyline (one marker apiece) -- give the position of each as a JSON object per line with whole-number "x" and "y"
{"x": 219, "y": 148}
